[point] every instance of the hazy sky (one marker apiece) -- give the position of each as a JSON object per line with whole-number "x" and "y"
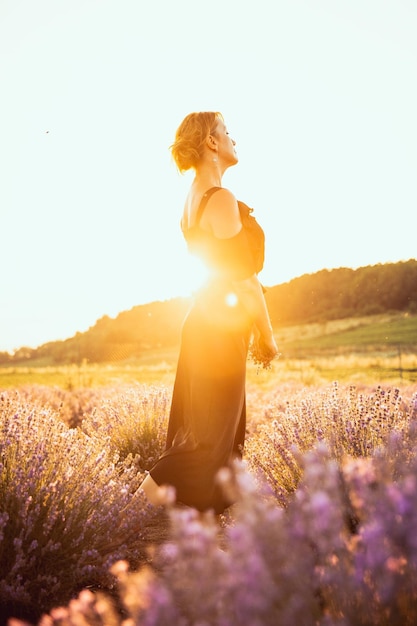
{"x": 320, "y": 96}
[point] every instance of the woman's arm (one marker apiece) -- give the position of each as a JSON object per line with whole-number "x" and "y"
{"x": 249, "y": 292}
{"x": 222, "y": 218}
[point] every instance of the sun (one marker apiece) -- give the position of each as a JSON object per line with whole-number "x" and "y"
{"x": 192, "y": 276}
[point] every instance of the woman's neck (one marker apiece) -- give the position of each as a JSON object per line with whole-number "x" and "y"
{"x": 209, "y": 174}
{"x": 208, "y": 178}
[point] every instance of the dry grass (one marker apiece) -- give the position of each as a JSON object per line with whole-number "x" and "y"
{"x": 366, "y": 368}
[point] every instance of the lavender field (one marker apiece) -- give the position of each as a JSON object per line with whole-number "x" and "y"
{"x": 323, "y": 531}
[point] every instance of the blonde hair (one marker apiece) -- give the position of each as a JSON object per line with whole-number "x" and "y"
{"x": 190, "y": 138}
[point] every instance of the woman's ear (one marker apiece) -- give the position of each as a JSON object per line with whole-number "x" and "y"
{"x": 211, "y": 142}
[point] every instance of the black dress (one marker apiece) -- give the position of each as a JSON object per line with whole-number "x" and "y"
{"x": 207, "y": 420}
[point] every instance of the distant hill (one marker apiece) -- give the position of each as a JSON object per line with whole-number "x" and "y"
{"x": 319, "y": 297}
{"x": 344, "y": 292}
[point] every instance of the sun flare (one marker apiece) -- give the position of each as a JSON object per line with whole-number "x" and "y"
{"x": 195, "y": 276}
{"x": 231, "y": 299}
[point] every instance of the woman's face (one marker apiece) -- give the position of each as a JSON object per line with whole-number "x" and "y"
{"x": 226, "y": 145}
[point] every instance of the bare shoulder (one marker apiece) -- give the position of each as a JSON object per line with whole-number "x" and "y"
{"x": 221, "y": 215}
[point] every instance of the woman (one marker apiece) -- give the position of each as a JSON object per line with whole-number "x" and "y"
{"x": 207, "y": 421}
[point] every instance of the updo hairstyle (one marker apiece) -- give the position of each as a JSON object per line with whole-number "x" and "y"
{"x": 188, "y": 147}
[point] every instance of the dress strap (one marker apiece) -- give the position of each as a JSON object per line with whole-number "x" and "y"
{"x": 203, "y": 203}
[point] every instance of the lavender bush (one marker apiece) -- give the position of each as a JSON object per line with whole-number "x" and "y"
{"x": 305, "y": 564}
{"x": 61, "y": 493}
{"x": 352, "y": 423}
{"x": 69, "y": 405}
{"x": 342, "y": 551}
{"x": 133, "y": 420}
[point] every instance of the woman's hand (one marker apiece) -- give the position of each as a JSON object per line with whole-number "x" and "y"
{"x": 263, "y": 349}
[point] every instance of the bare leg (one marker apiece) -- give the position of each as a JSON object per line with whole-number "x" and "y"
{"x": 156, "y": 495}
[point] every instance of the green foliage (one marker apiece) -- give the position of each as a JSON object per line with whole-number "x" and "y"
{"x": 344, "y": 292}
{"x": 366, "y": 333}
{"x": 130, "y": 335}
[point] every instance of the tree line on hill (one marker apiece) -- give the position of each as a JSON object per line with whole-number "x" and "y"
{"x": 341, "y": 293}
{"x": 322, "y": 296}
